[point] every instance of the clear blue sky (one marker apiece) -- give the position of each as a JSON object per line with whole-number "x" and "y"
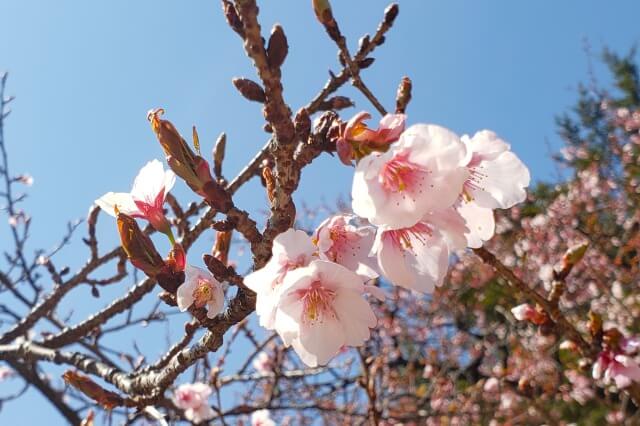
{"x": 85, "y": 74}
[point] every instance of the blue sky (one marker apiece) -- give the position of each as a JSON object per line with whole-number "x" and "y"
{"x": 85, "y": 74}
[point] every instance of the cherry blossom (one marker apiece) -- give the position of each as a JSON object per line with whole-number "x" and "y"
{"x": 420, "y": 173}
{"x": 492, "y": 385}
{"x": 617, "y": 363}
{"x": 5, "y": 373}
{"x": 192, "y": 398}
{"x": 291, "y": 249}
{"x": 526, "y": 312}
{"x": 497, "y": 179}
{"x": 147, "y": 196}
{"x": 340, "y": 241}
{"x": 357, "y": 140}
{"x": 262, "y": 418}
{"x": 201, "y": 290}
{"x": 263, "y": 363}
{"x": 417, "y": 257}
{"x": 322, "y": 309}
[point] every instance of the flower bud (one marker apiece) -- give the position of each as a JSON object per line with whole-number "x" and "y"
{"x": 138, "y": 246}
{"x": 177, "y": 259}
{"x": 172, "y": 273}
{"x": 322, "y": 9}
{"x": 277, "y": 48}
{"x": 595, "y": 325}
{"x": 84, "y": 384}
{"x": 192, "y": 168}
{"x": 571, "y": 258}
{"x": 222, "y": 246}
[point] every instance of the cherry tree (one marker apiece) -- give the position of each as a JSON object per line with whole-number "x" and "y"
{"x": 446, "y": 291}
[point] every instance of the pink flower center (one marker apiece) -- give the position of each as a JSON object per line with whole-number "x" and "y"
{"x": 203, "y": 293}
{"x": 400, "y": 174}
{"x": 341, "y": 239}
{"x": 476, "y": 176}
{"x": 402, "y": 238}
{"x": 317, "y": 302}
{"x": 184, "y": 396}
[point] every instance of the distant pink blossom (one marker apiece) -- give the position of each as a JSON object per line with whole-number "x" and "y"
{"x": 617, "y": 366}
{"x": 193, "y": 399}
{"x": 262, "y": 418}
{"x": 492, "y": 385}
{"x": 5, "y": 373}
{"x": 526, "y": 312}
{"x": 263, "y": 363}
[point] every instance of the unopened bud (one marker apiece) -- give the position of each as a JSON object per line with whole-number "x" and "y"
{"x": 192, "y": 168}
{"x": 218, "y": 154}
{"x": 322, "y": 9}
{"x": 249, "y": 89}
{"x": 138, "y": 246}
{"x": 278, "y": 48}
{"x": 231, "y": 14}
{"x": 217, "y": 268}
{"x": 366, "y": 63}
{"x": 336, "y": 103}
{"x": 612, "y": 338}
{"x": 84, "y": 384}
{"x": 574, "y": 255}
{"x": 222, "y": 246}
{"x": 270, "y": 183}
{"x": 403, "y": 96}
{"x": 595, "y": 325}
{"x": 391, "y": 13}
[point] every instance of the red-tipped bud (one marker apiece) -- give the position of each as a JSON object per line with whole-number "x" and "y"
{"x": 107, "y": 399}
{"x": 138, "y": 246}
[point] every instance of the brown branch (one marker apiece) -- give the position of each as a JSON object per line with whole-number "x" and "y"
{"x": 564, "y": 326}
{"x": 29, "y": 373}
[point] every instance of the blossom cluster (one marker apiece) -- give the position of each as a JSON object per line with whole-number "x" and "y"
{"x": 418, "y": 195}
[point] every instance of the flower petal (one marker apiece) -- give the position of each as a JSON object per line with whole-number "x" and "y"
{"x": 149, "y": 182}
{"x": 122, "y": 200}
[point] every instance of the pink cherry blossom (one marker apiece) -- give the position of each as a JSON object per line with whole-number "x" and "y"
{"x": 420, "y": 173}
{"x": 5, "y": 373}
{"x": 480, "y": 221}
{"x": 616, "y": 365}
{"x": 497, "y": 179}
{"x": 340, "y": 241}
{"x": 322, "y": 309}
{"x": 356, "y": 139}
{"x": 526, "y": 312}
{"x": 492, "y": 385}
{"x": 292, "y": 249}
{"x": 201, "y": 290}
{"x": 146, "y": 199}
{"x": 523, "y": 312}
{"x": 192, "y": 398}
{"x": 417, "y": 257}
{"x": 263, "y": 363}
{"x": 262, "y": 418}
